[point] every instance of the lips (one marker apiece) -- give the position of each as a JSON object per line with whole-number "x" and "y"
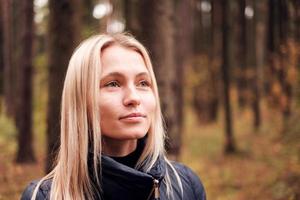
{"x": 133, "y": 116}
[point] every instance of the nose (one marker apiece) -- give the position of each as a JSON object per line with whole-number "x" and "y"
{"x": 131, "y": 97}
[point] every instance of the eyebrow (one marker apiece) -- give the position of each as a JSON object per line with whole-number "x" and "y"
{"x": 120, "y": 74}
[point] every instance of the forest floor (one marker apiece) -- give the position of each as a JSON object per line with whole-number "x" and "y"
{"x": 266, "y": 166}
{"x": 14, "y": 177}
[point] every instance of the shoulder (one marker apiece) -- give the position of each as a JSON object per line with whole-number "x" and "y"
{"x": 43, "y": 191}
{"x": 190, "y": 180}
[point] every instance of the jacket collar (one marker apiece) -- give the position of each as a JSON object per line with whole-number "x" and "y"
{"x": 157, "y": 171}
{"x": 122, "y": 182}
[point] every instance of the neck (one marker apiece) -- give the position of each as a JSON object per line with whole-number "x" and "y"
{"x": 118, "y": 148}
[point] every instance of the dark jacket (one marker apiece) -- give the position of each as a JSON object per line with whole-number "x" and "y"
{"x": 120, "y": 182}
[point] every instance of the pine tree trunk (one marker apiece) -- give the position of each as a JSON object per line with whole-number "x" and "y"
{"x": 281, "y": 90}
{"x": 131, "y": 17}
{"x": 216, "y": 54}
{"x": 183, "y": 52}
{"x": 242, "y": 70}
{"x": 284, "y": 30}
{"x": 297, "y": 22}
{"x": 205, "y": 36}
{"x": 7, "y": 52}
{"x": 254, "y": 79}
{"x": 63, "y": 36}
{"x": 297, "y": 29}
{"x": 25, "y": 152}
{"x": 229, "y": 139}
{"x": 296, "y": 39}
{"x": 1, "y": 57}
{"x": 273, "y": 85}
{"x": 158, "y": 37}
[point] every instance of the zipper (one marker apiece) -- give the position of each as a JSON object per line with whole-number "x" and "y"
{"x": 155, "y": 190}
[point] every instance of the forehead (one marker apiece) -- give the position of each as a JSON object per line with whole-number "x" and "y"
{"x": 117, "y": 58}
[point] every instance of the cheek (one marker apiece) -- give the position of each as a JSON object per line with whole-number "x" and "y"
{"x": 150, "y": 103}
{"x": 107, "y": 106}
{"x": 107, "y": 114}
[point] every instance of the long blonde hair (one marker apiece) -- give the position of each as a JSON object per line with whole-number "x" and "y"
{"x": 80, "y": 122}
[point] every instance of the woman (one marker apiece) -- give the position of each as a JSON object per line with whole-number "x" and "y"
{"x": 112, "y": 136}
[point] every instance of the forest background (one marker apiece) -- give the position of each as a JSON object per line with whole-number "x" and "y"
{"x": 228, "y": 75}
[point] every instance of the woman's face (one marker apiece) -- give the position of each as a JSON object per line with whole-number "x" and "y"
{"x": 127, "y": 102}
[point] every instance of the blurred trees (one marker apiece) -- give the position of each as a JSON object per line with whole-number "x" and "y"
{"x": 17, "y": 71}
{"x": 218, "y": 52}
{"x": 1, "y": 53}
{"x": 281, "y": 70}
{"x": 63, "y": 36}
{"x": 24, "y": 89}
{"x": 6, "y": 11}
{"x": 225, "y": 70}
{"x": 206, "y": 29}
{"x": 131, "y": 16}
{"x": 182, "y": 38}
{"x": 258, "y": 52}
{"x": 242, "y": 70}
{"x": 90, "y": 23}
{"x": 157, "y": 33}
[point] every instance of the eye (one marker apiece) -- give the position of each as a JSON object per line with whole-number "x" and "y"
{"x": 144, "y": 83}
{"x": 112, "y": 84}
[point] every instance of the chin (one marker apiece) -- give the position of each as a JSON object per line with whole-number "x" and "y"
{"x": 126, "y": 133}
{"x": 136, "y": 135}
{"x": 132, "y": 134}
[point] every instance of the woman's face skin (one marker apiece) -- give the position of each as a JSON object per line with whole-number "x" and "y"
{"x": 127, "y": 102}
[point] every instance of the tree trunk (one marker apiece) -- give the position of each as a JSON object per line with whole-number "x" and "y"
{"x": 297, "y": 31}
{"x": 272, "y": 85}
{"x": 242, "y": 70}
{"x": 279, "y": 58}
{"x": 216, "y": 53}
{"x": 205, "y": 90}
{"x": 214, "y": 57}
{"x": 254, "y": 79}
{"x": 158, "y": 37}
{"x": 229, "y": 139}
{"x": 197, "y": 26}
{"x": 183, "y": 52}
{"x": 7, "y": 52}
{"x": 1, "y": 56}
{"x": 63, "y": 35}
{"x": 296, "y": 6}
{"x": 24, "y": 112}
{"x": 284, "y": 33}
{"x": 131, "y": 18}
{"x": 297, "y": 22}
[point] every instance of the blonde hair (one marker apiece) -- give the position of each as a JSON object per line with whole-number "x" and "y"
{"x": 80, "y": 122}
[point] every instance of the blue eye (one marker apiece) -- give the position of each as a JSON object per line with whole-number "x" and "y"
{"x": 112, "y": 84}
